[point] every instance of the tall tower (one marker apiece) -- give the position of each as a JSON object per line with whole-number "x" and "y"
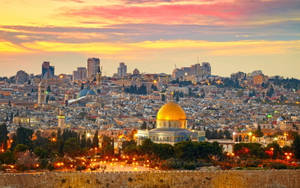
{"x": 122, "y": 70}
{"x": 98, "y": 78}
{"x": 61, "y": 119}
{"x": 47, "y": 70}
{"x": 92, "y": 67}
{"x": 42, "y": 93}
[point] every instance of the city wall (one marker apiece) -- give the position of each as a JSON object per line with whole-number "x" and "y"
{"x": 162, "y": 179}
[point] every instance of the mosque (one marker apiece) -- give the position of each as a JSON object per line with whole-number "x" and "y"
{"x": 171, "y": 127}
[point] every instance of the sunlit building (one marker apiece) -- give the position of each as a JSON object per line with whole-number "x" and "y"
{"x": 122, "y": 70}
{"x": 47, "y": 70}
{"x": 80, "y": 74}
{"x": 93, "y": 65}
{"x": 171, "y": 126}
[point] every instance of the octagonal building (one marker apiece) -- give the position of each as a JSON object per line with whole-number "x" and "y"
{"x": 171, "y": 126}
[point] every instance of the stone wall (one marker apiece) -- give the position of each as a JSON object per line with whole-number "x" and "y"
{"x": 158, "y": 179}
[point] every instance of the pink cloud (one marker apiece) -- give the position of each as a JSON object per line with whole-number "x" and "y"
{"x": 160, "y": 14}
{"x": 193, "y": 13}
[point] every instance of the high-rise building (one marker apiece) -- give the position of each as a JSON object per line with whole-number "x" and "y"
{"x": 47, "y": 70}
{"x": 195, "y": 72}
{"x": 80, "y": 74}
{"x": 122, "y": 70}
{"x": 93, "y": 64}
{"x": 206, "y": 68}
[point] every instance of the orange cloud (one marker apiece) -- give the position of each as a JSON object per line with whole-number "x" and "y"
{"x": 10, "y": 48}
{"x": 210, "y": 48}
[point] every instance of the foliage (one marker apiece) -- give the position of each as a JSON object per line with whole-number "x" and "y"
{"x": 71, "y": 147}
{"x": 129, "y": 147}
{"x": 154, "y": 88}
{"x": 21, "y": 148}
{"x": 142, "y": 90}
{"x": 96, "y": 140}
{"x": 276, "y": 150}
{"x": 144, "y": 126}
{"x": 288, "y": 83}
{"x": 7, "y": 158}
{"x": 23, "y": 136}
{"x": 258, "y": 132}
{"x": 41, "y": 152}
{"x": 3, "y": 136}
{"x": 147, "y": 147}
{"x": 107, "y": 146}
{"x": 245, "y": 150}
{"x": 163, "y": 151}
{"x": 296, "y": 146}
{"x": 185, "y": 151}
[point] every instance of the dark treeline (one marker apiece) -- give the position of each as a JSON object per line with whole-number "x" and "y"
{"x": 288, "y": 83}
{"x": 133, "y": 89}
{"x": 183, "y": 155}
{"x": 46, "y": 149}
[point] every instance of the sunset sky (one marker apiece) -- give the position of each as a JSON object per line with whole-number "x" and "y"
{"x": 151, "y": 35}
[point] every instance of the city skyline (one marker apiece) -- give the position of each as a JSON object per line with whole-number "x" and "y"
{"x": 153, "y": 36}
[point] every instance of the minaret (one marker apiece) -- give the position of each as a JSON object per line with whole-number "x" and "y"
{"x": 98, "y": 78}
{"x": 61, "y": 119}
{"x": 41, "y": 93}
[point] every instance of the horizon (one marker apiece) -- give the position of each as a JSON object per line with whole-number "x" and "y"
{"x": 143, "y": 72}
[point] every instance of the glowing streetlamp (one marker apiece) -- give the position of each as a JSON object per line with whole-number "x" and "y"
{"x": 88, "y": 135}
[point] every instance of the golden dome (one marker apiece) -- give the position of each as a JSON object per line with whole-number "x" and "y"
{"x": 171, "y": 112}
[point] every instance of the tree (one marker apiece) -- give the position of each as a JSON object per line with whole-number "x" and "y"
{"x": 49, "y": 89}
{"x": 147, "y": 147}
{"x": 185, "y": 151}
{"x": 154, "y": 88}
{"x": 296, "y": 146}
{"x": 177, "y": 98}
{"x": 3, "y": 136}
{"x": 107, "y": 146}
{"x": 83, "y": 141}
{"x": 41, "y": 152}
{"x": 163, "y": 98}
{"x": 40, "y": 141}
{"x": 246, "y": 150}
{"x": 71, "y": 147}
{"x": 7, "y": 157}
{"x": 258, "y": 132}
{"x": 96, "y": 139}
{"x": 23, "y": 136}
{"x": 129, "y": 147}
{"x": 270, "y": 92}
{"x": 144, "y": 125}
{"x": 163, "y": 151}
{"x": 227, "y": 134}
{"x": 21, "y": 148}
{"x": 89, "y": 143}
{"x": 276, "y": 150}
